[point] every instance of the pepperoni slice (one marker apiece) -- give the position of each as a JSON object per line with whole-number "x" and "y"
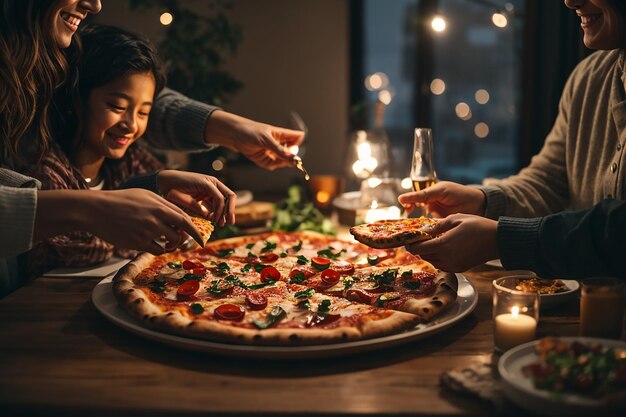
{"x": 343, "y": 267}
{"x": 198, "y": 271}
{"x": 270, "y": 273}
{"x": 229, "y": 312}
{"x": 359, "y": 296}
{"x": 188, "y": 288}
{"x": 320, "y": 263}
{"x": 188, "y": 265}
{"x": 307, "y": 271}
{"x": 330, "y": 277}
{"x": 269, "y": 258}
{"x": 256, "y": 301}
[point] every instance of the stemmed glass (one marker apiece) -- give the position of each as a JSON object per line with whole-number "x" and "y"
{"x": 423, "y": 173}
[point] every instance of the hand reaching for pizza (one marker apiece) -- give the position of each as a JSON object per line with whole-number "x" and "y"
{"x": 445, "y": 198}
{"x": 204, "y": 195}
{"x": 263, "y": 144}
{"x": 462, "y": 241}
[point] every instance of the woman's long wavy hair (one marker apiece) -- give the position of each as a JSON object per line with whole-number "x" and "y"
{"x": 32, "y": 68}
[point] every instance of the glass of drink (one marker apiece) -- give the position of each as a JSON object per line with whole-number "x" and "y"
{"x": 423, "y": 173}
{"x": 602, "y": 302}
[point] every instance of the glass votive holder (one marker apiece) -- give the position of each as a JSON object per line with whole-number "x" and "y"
{"x": 379, "y": 200}
{"x": 515, "y": 314}
{"x": 324, "y": 189}
{"x": 602, "y": 302}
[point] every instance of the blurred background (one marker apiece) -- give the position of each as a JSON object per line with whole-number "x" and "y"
{"x": 485, "y": 75}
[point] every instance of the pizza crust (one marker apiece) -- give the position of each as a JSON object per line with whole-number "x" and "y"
{"x": 445, "y": 294}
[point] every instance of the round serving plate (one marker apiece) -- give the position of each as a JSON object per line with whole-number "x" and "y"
{"x": 520, "y": 389}
{"x": 467, "y": 298}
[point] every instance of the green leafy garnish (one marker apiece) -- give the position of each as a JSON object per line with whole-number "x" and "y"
{"x": 407, "y": 274}
{"x": 328, "y": 253}
{"x": 224, "y": 253}
{"x": 275, "y": 315}
{"x": 252, "y": 255}
{"x": 283, "y": 254}
{"x": 196, "y": 308}
{"x": 157, "y": 286}
{"x": 294, "y": 214}
{"x": 246, "y": 268}
{"x": 269, "y": 246}
{"x": 305, "y": 293}
{"x": 302, "y": 260}
{"x": 298, "y": 278}
{"x": 261, "y": 285}
{"x": 214, "y": 288}
{"x": 223, "y": 268}
{"x": 348, "y": 282}
{"x": 412, "y": 285}
{"x": 174, "y": 265}
{"x": 249, "y": 245}
{"x": 324, "y": 306}
{"x": 385, "y": 278}
{"x": 188, "y": 277}
{"x": 297, "y": 246}
{"x": 259, "y": 267}
{"x": 304, "y": 304}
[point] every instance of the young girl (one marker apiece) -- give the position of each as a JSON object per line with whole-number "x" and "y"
{"x": 120, "y": 76}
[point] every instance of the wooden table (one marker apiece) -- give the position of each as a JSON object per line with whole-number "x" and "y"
{"x": 58, "y": 354}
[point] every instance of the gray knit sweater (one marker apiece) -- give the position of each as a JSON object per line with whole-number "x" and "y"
{"x": 581, "y": 163}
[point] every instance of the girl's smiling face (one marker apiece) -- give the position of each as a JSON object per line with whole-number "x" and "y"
{"x": 116, "y": 114}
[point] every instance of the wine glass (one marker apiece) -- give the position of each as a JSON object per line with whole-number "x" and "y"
{"x": 423, "y": 173}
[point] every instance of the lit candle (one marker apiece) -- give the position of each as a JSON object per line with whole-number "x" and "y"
{"x": 513, "y": 329}
{"x": 381, "y": 213}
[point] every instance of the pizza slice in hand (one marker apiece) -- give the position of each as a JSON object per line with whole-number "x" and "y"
{"x": 204, "y": 226}
{"x": 385, "y": 234}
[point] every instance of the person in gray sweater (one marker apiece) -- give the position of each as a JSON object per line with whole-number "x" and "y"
{"x": 581, "y": 165}
{"x": 33, "y": 37}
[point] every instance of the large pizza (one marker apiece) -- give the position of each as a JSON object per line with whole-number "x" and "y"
{"x": 284, "y": 289}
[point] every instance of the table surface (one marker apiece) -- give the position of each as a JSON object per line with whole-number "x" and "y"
{"x": 59, "y": 354}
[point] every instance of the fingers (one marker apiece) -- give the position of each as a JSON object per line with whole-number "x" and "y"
{"x": 288, "y": 137}
{"x": 185, "y": 200}
{"x": 183, "y": 223}
{"x": 230, "y": 198}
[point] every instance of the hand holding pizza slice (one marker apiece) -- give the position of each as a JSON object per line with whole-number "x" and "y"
{"x": 385, "y": 234}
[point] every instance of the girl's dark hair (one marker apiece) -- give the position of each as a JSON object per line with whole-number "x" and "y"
{"x": 32, "y": 68}
{"x": 108, "y": 53}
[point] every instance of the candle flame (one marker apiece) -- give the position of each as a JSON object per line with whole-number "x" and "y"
{"x": 515, "y": 311}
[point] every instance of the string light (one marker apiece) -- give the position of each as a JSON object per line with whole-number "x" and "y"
{"x": 166, "y": 18}
{"x": 463, "y": 111}
{"x": 481, "y": 96}
{"x": 499, "y": 19}
{"x": 438, "y": 24}
{"x": 376, "y": 81}
{"x": 481, "y": 130}
{"x": 437, "y": 86}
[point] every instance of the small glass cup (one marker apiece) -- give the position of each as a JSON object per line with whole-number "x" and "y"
{"x": 515, "y": 314}
{"x": 379, "y": 200}
{"x": 324, "y": 189}
{"x": 602, "y": 307}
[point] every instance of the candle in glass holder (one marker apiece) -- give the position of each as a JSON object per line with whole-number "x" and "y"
{"x": 515, "y": 314}
{"x": 512, "y": 329}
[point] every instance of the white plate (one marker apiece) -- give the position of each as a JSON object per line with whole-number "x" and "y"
{"x": 520, "y": 390}
{"x": 551, "y": 300}
{"x": 103, "y": 299}
{"x": 243, "y": 197}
